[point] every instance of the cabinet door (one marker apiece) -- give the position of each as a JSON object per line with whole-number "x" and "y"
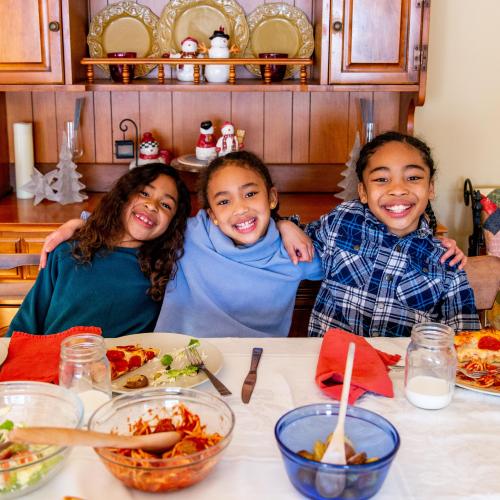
{"x": 30, "y": 42}
{"x": 375, "y": 41}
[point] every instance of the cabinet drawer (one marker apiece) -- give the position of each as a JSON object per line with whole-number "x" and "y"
{"x": 10, "y": 245}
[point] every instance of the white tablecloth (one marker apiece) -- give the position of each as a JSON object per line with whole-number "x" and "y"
{"x": 445, "y": 454}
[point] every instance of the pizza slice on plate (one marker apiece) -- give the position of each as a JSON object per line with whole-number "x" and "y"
{"x": 125, "y": 358}
{"x": 482, "y": 345}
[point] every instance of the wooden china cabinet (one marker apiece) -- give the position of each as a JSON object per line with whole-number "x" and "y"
{"x": 40, "y": 41}
{"x": 370, "y": 49}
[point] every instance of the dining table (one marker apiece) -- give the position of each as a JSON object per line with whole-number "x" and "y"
{"x": 444, "y": 454}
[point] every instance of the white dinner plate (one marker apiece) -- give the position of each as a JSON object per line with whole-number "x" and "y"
{"x": 166, "y": 343}
{"x": 484, "y": 390}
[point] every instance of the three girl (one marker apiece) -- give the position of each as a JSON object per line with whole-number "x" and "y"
{"x": 381, "y": 265}
{"x": 113, "y": 274}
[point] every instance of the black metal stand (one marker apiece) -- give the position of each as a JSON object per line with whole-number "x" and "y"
{"x": 476, "y": 240}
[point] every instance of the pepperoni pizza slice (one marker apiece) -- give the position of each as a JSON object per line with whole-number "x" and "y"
{"x": 125, "y": 358}
{"x": 482, "y": 345}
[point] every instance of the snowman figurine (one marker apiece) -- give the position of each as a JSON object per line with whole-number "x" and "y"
{"x": 215, "y": 73}
{"x": 228, "y": 143}
{"x": 148, "y": 151}
{"x": 205, "y": 146}
{"x": 185, "y": 72}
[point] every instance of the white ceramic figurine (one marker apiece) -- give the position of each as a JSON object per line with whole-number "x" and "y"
{"x": 205, "y": 146}
{"x": 149, "y": 151}
{"x": 228, "y": 143}
{"x": 185, "y": 72}
{"x": 215, "y": 73}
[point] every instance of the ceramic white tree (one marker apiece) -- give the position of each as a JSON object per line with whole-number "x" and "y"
{"x": 39, "y": 186}
{"x": 64, "y": 180}
{"x": 349, "y": 184}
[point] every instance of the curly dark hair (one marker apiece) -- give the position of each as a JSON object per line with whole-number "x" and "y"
{"x": 393, "y": 136}
{"x": 158, "y": 257}
{"x": 244, "y": 159}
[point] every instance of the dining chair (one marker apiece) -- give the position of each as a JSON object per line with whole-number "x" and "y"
{"x": 13, "y": 291}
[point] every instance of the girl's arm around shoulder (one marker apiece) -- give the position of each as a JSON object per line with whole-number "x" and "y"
{"x": 458, "y": 308}
{"x": 324, "y": 231}
{"x": 312, "y": 270}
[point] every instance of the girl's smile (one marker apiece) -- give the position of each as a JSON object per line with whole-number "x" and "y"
{"x": 397, "y": 187}
{"x": 149, "y": 212}
{"x": 240, "y": 203}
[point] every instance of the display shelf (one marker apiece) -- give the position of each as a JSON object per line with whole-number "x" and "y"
{"x": 197, "y": 63}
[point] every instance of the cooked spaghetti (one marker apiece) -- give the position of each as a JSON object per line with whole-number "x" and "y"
{"x": 186, "y": 463}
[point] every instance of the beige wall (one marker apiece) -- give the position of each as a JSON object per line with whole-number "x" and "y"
{"x": 461, "y": 116}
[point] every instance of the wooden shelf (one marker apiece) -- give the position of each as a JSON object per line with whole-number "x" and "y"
{"x": 241, "y": 85}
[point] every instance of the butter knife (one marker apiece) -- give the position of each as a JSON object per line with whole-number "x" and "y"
{"x": 251, "y": 378}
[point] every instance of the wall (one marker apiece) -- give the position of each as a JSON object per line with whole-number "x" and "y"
{"x": 461, "y": 115}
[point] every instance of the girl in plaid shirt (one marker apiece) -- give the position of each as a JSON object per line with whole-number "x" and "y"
{"x": 382, "y": 265}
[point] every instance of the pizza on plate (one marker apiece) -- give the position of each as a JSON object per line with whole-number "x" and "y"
{"x": 482, "y": 345}
{"x": 479, "y": 351}
{"x": 125, "y": 358}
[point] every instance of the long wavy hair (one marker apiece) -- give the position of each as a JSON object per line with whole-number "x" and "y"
{"x": 244, "y": 159}
{"x": 393, "y": 136}
{"x": 158, "y": 257}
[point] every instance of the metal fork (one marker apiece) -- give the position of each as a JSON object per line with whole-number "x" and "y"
{"x": 195, "y": 359}
{"x": 476, "y": 374}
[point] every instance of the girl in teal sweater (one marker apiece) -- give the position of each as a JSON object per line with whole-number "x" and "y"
{"x": 113, "y": 273}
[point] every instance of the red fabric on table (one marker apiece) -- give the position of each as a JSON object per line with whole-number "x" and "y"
{"x": 370, "y": 369}
{"x": 36, "y": 357}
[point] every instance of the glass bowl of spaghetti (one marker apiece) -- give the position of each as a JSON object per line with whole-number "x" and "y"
{"x": 205, "y": 422}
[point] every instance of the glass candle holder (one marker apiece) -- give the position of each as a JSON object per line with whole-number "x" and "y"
{"x": 73, "y": 141}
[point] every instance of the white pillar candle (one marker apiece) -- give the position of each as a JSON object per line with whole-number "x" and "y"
{"x": 24, "y": 157}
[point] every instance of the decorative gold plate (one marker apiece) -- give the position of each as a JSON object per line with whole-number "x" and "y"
{"x": 125, "y": 27}
{"x": 282, "y": 28}
{"x": 199, "y": 19}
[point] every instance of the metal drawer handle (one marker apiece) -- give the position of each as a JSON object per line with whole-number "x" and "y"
{"x": 337, "y": 26}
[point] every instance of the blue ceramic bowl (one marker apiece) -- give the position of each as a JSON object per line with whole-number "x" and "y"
{"x": 300, "y": 428}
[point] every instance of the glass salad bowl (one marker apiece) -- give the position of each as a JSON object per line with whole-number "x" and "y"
{"x": 24, "y": 468}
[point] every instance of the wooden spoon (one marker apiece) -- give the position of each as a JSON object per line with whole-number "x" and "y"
{"x": 328, "y": 484}
{"x": 62, "y": 436}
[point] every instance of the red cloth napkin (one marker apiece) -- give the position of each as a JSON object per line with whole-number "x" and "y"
{"x": 36, "y": 357}
{"x": 369, "y": 373}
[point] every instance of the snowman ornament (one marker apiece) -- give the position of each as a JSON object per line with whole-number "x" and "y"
{"x": 205, "y": 146}
{"x": 148, "y": 151}
{"x": 218, "y": 73}
{"x": 185, "y": 72}
{"x": 228, "y": 142}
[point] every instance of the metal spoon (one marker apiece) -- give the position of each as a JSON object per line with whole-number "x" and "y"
{"x": 77, "y": 437}
{"x": 328, "y": 484}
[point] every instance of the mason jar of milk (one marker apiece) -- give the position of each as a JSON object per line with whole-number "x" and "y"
{"x": 431, "y": 365}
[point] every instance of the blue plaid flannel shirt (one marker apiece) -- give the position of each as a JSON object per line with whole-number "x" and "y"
{"x": 377, "y": 284}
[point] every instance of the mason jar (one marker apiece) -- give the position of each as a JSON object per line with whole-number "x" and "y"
{"x": 84, "y": 369}
{"x": 431, "y": 365}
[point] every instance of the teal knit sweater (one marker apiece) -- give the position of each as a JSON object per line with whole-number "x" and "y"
{"x": 110, "y": 293}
